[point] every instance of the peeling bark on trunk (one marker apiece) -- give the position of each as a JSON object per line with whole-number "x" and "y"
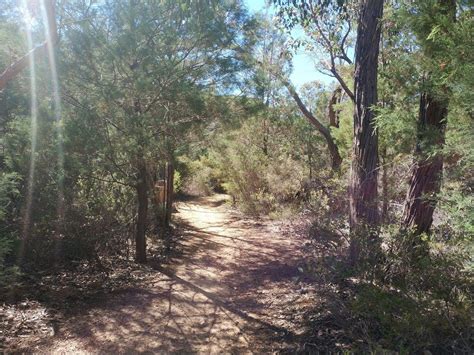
{"x": 364, "y": 215}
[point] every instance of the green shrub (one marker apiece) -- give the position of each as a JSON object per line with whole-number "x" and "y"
{"x": 202, "y": 177}
{"x": 418, "y": 298}
{"x": 8, "y": 239}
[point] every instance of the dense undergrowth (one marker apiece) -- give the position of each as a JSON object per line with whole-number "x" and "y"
{"x": 408, "y": 300}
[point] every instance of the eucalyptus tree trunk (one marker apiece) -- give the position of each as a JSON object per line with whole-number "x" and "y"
{"x": 364, "y": 215}
{"x": 427, "y": 171}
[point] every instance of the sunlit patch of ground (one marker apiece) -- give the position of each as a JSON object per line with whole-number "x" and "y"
{"x": 234, "y": 287}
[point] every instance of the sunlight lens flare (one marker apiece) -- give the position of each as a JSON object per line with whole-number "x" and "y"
{"x": 48, "y": 20}
{"x": 34, "y": 129}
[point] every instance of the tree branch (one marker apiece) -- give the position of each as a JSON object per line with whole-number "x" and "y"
{"x": 307, "y": 113}
{"x": 343, "y": 84}
{"x": 16, "y": 68}
{"x": 344, "y": 55}
{"x": 333, "y": 57}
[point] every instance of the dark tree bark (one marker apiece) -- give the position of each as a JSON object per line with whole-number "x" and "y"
{"x": 142, "y": 200}
{"x": 364, "y": 215}
{"x": 427, "y": 171}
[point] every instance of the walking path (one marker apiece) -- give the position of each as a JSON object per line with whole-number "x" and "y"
{"x": 234, "y": 288}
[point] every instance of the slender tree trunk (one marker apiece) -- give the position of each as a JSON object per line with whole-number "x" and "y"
{"x": 364, "y": 215}
{"x": 142, "y": 199}
{"x": 310, "y": 161}
{"x": 336, "y": 159}
{"x": 385, "y": 185}
{"x": 427, "y": 172}
{"x": 169, "y": 192}
{"x": 265, "y": 138}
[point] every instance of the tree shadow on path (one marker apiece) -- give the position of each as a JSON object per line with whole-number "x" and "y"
{"x": 216, "y": 295}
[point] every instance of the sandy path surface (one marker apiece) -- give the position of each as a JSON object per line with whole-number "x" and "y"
{"x": 234, "y": 288}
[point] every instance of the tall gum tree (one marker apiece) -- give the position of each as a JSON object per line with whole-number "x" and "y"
{"x": 328, "y": 25}
{"x": 364, "y": 215}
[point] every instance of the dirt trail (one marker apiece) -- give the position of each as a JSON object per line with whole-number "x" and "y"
{"x": 235, "y": 288}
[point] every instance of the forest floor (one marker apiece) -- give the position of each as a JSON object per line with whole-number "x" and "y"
{"x": 233, "y": 285}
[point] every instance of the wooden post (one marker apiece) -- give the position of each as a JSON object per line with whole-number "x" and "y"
{"x": 160, "y": 192}
{"x": 160, "y": 201}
